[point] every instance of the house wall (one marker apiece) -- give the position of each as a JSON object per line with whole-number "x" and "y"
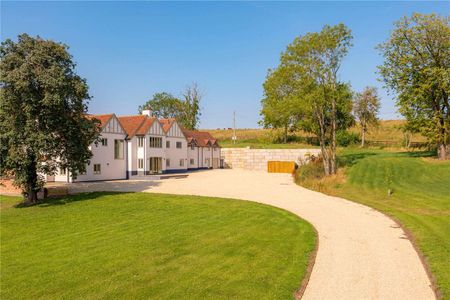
{"x": 155, "y": 131}
{"x": 174, "y": 135}
{"x": 111, "y": 168}
{"x": 193, "y": 154}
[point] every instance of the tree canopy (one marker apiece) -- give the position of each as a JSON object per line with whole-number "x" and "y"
{"x": 187, "y": 111}
{"x": 417, "y": 69}
{"x": 43, "y": 123}
{"x": 304, "y": 91}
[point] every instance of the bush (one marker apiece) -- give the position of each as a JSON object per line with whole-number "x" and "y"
{"x": 345, "y": 138}
{"x": 311, "y": 171}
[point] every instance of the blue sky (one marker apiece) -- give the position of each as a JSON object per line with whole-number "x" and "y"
{"x": 128, "y": 51}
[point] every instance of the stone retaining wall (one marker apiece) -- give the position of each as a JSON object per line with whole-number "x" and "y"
{"x": 256, "y": 159}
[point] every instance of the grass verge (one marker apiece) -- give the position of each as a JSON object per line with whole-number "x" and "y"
{"x": 142, "y": 246}
{"x": 420, "y": 199}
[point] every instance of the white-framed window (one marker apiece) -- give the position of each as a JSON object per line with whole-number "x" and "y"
{"x": 179, "y": 145}
{"x": 62, "y": 171}
{"x": 104, "y": 142}
{"x": 207, "y": 161}
{"x": 192, "y": 147}
{"x": 97, "y": 169}
{"x": 118, "y": 149}
{"x": 155, "y": 142}
{"x": 140, "y": 163}
{"x": 181, "y": 162}
{"x": 167, "y": 162}
{"x": 191, "y": 161}
{"x": 140, "y": 140}
{"x": 83, "y": 172}
{"x": 167, "y": 144}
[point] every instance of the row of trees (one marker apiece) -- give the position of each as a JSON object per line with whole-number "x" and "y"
{"x": 186, "y": 110}
{"x": 304, "y": 91}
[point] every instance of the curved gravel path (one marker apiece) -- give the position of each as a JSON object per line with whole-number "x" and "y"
{"x": 362, "y": 253}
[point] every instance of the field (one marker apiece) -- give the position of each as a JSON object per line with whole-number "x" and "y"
{"x": 387, "y": 132}
{"x": 141, "y": 246}
{"x": 420, "y": 200}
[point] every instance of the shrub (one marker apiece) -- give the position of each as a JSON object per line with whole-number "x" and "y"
{"x": 310, "y": 171}
{"x": 346, "y": 138}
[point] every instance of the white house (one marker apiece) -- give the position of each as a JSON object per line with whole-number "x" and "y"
{"x": 142, "y": 145}
{"x": 204, "y": 150}
{"x": 176, "y": 159}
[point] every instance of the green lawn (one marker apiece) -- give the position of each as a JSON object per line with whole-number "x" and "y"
{"x": 420, "y": 199}
{"x": 142, "y": 246}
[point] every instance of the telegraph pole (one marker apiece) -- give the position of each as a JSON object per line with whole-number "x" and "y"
{"x": 234, "y": 127}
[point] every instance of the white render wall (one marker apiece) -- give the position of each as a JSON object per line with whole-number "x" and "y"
{"x": 256, "y": 159}
{"x": 104, "y": 155}
{"x": 176, "y": 154}
{"x": 193, "y": 154}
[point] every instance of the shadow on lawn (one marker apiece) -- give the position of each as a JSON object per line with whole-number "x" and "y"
{"x": 418, "y": 154}
{"x": 348, "y": 160}
{"x": 77, "y": 197}
{"x": 54, "y": 201}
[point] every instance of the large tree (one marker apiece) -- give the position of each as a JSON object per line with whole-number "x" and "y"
{"x": 186, "y": 111}
{"x": 163, "y": 105}
{"x": 191, "y": 111}
{"x": 279, "y": 109}
{"x": 366, "y": 107}
{"x": 43, "y": 124}
{"x": 324, "y": 102}
{"x": 417, "y": 69}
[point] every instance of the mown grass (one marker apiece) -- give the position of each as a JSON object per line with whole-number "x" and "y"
{"x": 420, "y": 199}
{"x": 151, "y": 246}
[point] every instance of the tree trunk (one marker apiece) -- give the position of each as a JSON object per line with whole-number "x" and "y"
{"x": 333, "y": 138}
{"x": 31, "y": 197}
{"x": 31, "y": 188}
{"x": 285, "y": 134}
{"x": 443, "y": 152}
{"x": 363, "y": 136}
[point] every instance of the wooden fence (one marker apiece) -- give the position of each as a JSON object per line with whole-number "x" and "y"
{"x": 281, "y": 167}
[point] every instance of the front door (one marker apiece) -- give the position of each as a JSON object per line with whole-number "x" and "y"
{"x": 155, "y": 165}
{"x": 215, "y": 163}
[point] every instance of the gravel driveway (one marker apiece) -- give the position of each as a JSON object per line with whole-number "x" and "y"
{"x": 362, "y": 253}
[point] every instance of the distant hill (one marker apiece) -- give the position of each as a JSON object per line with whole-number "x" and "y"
{"x": 387, "y": 132}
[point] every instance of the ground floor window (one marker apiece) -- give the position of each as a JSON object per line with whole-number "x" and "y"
{"x": 97, "y": 168}
{"x": 191, "y": 161}
{"x": 167, "y": 162}
{"x": 181, "y": 162}
{"x": 207, "y": 161}
{"x": 140, "y": 163}
{"x": 118, "y": 149}
{"x": 62, "y": 171}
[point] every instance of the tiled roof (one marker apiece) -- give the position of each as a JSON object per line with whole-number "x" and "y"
{"x": 201, "y": 138}
{"x": 104, "y": 119}
{"x": 145, "y": 126}
{"x": 166, "y": 123}
{"x": 131, "y": 124}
